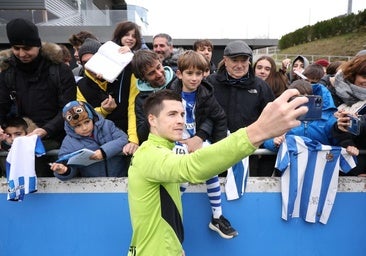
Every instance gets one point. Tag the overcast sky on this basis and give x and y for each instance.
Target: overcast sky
(239, 18)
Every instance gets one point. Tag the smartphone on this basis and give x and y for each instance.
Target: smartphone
(355, 125)
(315, 106)
(361, 111)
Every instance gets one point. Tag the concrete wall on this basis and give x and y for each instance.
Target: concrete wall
(90, 217)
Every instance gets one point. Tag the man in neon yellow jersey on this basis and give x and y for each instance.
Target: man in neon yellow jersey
(156, 171)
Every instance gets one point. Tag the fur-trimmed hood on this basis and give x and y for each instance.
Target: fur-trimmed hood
(4, 56)
(50, 51)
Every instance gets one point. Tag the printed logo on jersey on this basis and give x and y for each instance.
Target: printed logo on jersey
(132, 251)
(180, 149)
(329, 156)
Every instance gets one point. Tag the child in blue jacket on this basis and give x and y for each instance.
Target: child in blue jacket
(87, 129)
(319, 130)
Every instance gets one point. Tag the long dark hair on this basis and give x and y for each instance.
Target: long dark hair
(122, 28)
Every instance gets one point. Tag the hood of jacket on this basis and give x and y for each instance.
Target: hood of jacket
(303, 59)
(4, 58)
(49, 51)
(328, 103)
(143, 86)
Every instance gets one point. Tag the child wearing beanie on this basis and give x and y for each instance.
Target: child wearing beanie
(86, 129)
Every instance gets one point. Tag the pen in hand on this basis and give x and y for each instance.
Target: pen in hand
(57, 167)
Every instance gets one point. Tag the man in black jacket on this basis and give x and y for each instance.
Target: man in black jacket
(242, 95)
(36, 84)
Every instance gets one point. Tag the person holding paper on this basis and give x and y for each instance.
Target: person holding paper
(108, 99)
(86, 129)
(127, 34)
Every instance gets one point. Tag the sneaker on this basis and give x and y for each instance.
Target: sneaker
(223, 227)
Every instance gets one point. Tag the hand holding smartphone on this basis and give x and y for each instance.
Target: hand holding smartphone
(354, 125)
(315, 108)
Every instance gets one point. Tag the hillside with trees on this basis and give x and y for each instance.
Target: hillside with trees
(340, 36)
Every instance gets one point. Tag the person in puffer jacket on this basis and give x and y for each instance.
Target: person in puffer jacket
(85, 128)
(319, 130)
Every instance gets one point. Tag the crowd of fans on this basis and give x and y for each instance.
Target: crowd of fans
(36, 83)
(169, 101)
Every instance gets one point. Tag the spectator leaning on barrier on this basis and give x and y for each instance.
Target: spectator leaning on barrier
(266, 69)
(36, 84)
(87, 129)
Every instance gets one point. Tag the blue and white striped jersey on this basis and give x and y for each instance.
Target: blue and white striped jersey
(20, 166)
(309, 182)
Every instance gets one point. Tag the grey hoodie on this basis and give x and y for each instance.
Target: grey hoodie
(304, 60)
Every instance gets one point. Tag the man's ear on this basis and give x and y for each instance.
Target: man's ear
(151, 118)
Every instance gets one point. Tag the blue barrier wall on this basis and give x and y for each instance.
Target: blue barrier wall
(90, 217)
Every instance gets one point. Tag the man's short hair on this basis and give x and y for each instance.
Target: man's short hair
(166, 36)
(154, 103)
(142, 59)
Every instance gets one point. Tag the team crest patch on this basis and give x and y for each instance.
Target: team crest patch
(329, 156)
